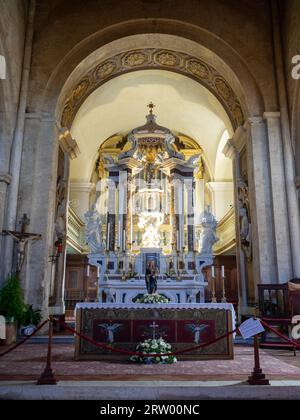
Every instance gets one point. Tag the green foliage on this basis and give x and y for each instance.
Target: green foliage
(11, 300)
(31, 316)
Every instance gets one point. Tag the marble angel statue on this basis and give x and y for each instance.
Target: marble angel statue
(208, 235)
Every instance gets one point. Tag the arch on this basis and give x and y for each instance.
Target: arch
(212, 51)
(153, 58)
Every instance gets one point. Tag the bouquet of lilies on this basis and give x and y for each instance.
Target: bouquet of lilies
(154, 346)
(154, 298)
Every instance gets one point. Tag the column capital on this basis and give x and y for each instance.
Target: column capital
(257, 120)
(68, 144)
(82, 186)
(270, 115)
(229, 150)
(6, 178)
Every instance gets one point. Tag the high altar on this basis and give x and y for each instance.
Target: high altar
(144, 210)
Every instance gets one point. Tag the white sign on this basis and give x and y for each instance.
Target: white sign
(296, 68)
(250, 328)
(2, 67)
(2, 328)
(296, 328)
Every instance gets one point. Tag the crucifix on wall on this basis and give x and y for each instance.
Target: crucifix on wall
(22, 238)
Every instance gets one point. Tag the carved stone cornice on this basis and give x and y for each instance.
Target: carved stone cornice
(6, 178)
(152, 58)
(68, 144)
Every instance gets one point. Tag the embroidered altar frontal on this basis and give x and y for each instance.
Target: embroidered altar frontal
(183, 326)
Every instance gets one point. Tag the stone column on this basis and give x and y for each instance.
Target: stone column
(128, 218)
(39, 204)
(264, 258)
(178, 212)
(122, 200)
(190, 187)
(232, 153)
(111, 215)
(4, 183)
(199, 199)
(172, 214)
(56, 301)
(279, 199)
(80, 197)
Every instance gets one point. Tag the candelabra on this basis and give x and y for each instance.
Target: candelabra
(106, 263)
(223, 300)
(123, 267)
(213, 288)
(118, 260)
(183, 262)
(195, 266)
(178, 278)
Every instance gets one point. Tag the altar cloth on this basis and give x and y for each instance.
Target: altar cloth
(123, 326)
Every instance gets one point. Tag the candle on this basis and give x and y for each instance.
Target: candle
(223, 271)
(98, 271)
(108, 229)
(124, 240)
(88, 270)
(212, 271)
(177, 245)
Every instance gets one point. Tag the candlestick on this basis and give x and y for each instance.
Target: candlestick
(213, 289)
(223, 300)
(107, 270)
(118, 260)
(108, 229)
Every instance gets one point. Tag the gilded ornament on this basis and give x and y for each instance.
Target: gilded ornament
(104, 70)
(223, 89)
(198, 69)
(166, 59)
(80, 90)
(135, 59)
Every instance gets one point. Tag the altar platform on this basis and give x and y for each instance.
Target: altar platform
(123, 326)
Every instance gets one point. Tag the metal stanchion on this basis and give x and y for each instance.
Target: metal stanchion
(257, 377)
(47, 377)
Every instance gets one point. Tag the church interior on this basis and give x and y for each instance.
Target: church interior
(149, 182)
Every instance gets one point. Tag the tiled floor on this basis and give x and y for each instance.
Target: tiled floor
(28, 361)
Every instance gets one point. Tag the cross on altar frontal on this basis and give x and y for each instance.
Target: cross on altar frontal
(153, 326)
(22, 238)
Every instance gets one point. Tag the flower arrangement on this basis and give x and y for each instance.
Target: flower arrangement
(154, 346)
(154, 298)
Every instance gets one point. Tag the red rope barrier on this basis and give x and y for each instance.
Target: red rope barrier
(132, 353)
(295, 344)
(25, 339)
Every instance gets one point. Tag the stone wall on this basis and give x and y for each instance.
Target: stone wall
(12, 34)
(237, 32)
(291, 44)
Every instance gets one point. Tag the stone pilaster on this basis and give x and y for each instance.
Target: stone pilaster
(231, 151)
(264, 257)
(279, 198)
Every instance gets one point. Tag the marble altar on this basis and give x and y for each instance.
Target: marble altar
(123, 326)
